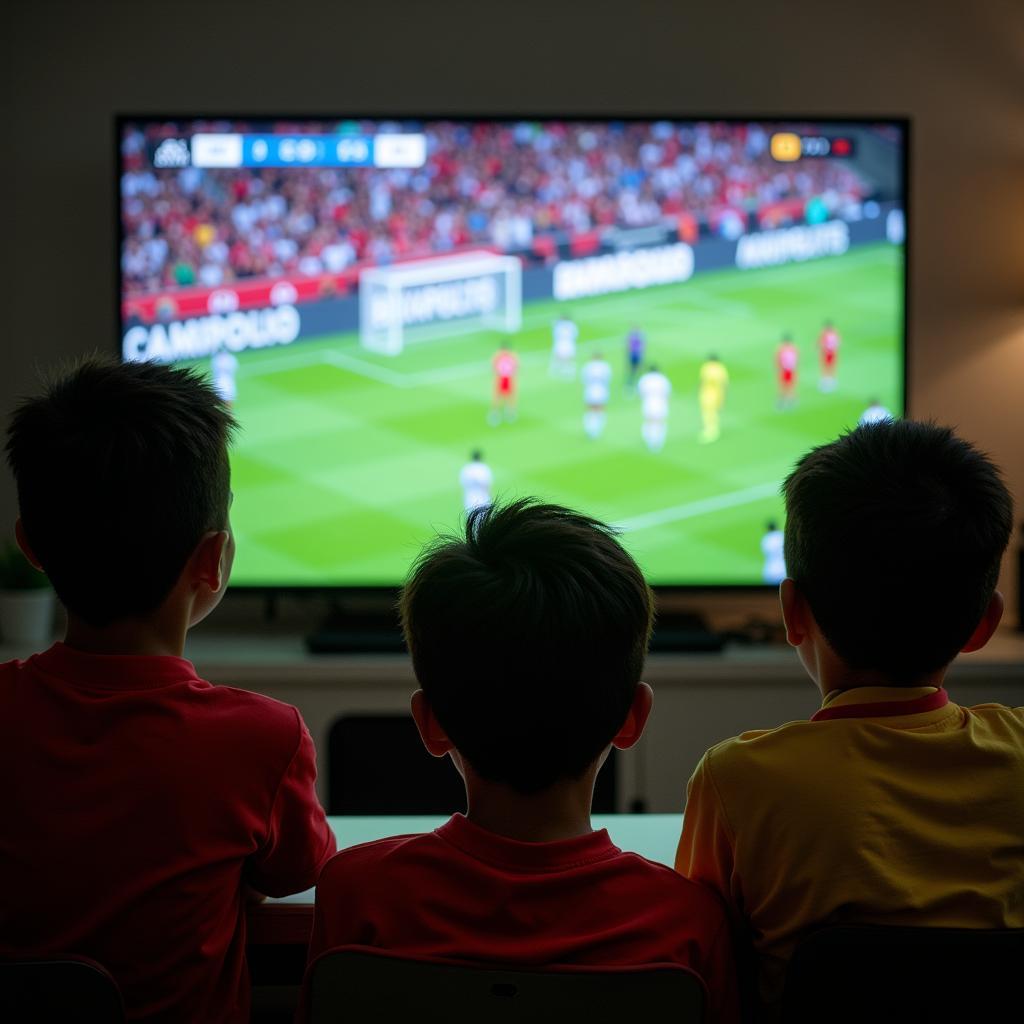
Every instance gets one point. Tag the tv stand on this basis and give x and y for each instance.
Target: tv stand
(376, 631)
(351, 631)
(685, 631)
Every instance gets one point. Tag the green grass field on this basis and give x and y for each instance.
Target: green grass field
(348, 461)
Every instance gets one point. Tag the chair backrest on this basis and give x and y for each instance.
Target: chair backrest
(878, 974)
(356, 985)
(72, 988)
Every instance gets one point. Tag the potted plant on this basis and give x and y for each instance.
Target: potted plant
(26, 601)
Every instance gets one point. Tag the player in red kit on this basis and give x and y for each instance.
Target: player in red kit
(828, 346)
(506, 367)
(786, 359)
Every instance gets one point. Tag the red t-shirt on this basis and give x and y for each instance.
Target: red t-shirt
(139, 801)
(464, 893)
(829, 343)
(787, 358)
(505, 366)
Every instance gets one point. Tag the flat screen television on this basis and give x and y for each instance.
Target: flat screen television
(645, 319)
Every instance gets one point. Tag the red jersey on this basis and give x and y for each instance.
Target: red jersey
(787, 357)
(461, 892)
(829, 343)
(140, 801)
(506, 364)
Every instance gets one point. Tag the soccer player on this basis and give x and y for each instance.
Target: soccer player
(828, 346)
(786, 359)
(654, 388)
(476, 480)
(875, 413)
(563, 352)
(506, 366)
(636, 345)
(597, 378)
(774, 559)
(714, 379)
(224, 366)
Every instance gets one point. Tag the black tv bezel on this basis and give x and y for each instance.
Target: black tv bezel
(379, 594)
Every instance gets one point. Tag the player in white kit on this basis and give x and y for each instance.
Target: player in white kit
(597, 381)
(774, 559)
(654, 389)
(224, 366)
(874, 413)
(476, 480)
(564, 333)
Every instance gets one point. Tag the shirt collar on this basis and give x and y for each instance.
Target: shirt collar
(112, 671)
(881, 702)
(527, 858)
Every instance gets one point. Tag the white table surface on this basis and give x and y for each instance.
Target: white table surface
(654, 836)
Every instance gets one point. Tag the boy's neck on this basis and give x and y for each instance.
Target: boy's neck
(848, 679)
(560, 812)
(150, 636)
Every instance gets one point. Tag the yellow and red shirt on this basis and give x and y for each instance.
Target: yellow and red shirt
(890, 806)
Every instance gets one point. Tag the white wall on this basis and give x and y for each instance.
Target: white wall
(957, 69)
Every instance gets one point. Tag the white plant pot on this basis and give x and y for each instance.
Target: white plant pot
(26, 617)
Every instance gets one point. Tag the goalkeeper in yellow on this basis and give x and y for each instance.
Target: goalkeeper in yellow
(714, 379)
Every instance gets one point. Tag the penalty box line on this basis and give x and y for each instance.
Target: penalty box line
(371, 371)
(278, 360)
(275, 362)
(692, 509)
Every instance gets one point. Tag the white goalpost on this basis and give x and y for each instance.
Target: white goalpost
(424, 299)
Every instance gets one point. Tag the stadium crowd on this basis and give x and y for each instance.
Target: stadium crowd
(509, 186)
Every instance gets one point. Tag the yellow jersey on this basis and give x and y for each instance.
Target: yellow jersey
(891, 806)
(714, 376)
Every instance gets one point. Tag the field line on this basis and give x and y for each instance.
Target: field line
(384, 375)
(296, 360)
(691, 509)
(458, 371)
(360, 366)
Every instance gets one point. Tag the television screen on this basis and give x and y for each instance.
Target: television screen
(646, 320)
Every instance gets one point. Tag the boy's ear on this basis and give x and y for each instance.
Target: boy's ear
(989, 621)
(435, 739)
(208, 560)
(633, 727)
(26, 548)
(795, 612)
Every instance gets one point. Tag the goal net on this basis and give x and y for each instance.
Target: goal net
(425, 299)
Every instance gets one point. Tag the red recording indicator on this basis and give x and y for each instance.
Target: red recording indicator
(841, 147)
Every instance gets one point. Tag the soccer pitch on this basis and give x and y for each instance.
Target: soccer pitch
(348, 461)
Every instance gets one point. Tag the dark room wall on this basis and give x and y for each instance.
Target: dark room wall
(957, 69)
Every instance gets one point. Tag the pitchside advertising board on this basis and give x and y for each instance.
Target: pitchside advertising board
(390, 306)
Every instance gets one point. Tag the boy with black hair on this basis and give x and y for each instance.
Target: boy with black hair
(528, 637)
(892, 805)
(143, 805)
